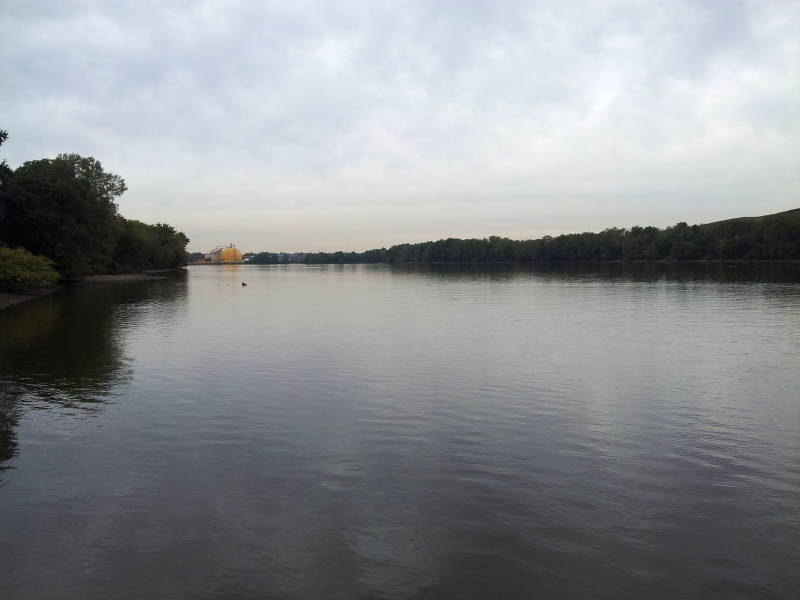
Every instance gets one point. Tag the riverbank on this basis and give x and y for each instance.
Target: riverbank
(143, 276)
(8, 299)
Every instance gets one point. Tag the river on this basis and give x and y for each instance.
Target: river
(413, 431)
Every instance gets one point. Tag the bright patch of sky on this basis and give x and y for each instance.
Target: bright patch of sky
(351, 125)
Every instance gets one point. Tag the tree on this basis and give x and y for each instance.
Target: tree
(104, 186)
(773, 237)
(21, 271)
(62, 208)
(5, 170)
(140, 246)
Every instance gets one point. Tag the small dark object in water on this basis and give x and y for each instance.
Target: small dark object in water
(243, 284)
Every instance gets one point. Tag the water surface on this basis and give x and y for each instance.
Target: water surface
(405, 432)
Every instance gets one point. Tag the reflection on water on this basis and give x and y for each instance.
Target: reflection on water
(721, 272)
(66, 352)
(406, 431)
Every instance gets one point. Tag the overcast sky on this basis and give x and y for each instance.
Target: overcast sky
(350, 125)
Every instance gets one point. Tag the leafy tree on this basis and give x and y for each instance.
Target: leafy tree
(20, 270)
(62, 208)
(140, 247)
(105, 187)
(5, 171)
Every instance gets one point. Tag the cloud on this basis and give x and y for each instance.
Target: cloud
(359, 124)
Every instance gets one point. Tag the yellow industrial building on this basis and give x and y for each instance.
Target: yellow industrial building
(226, 256)
(229, 255)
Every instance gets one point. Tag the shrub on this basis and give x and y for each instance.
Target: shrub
(20, 270)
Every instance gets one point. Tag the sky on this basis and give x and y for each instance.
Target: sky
(327, 125)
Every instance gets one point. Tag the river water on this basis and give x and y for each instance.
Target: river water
(405, 432)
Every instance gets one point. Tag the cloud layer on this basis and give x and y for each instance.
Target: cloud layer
(328, 125)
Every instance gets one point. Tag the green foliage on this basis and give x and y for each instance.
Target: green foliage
(64, 208)
(20, 270)
(276, 258)
(344, 258)
(52, 207)
(103, 186)
(264, 258)
(140, 247)
(5, 171)
(771, 237)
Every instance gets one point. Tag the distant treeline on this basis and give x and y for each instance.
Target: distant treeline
(274, 258)
(63, 209)
(771, 237)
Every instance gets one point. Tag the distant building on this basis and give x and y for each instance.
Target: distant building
(229, 255)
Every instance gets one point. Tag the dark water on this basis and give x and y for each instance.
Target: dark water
(411, 432)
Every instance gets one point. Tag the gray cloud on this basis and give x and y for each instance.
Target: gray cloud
(326, 125)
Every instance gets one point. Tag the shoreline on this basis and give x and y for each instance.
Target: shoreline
(119, 277)
(699, 261)
(9, 299)
(148, 275)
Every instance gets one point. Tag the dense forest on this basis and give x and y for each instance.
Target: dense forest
(771, 237)
(63, 211)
